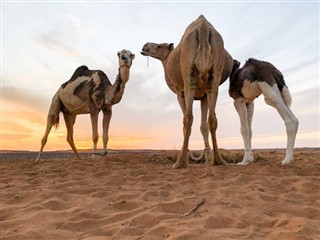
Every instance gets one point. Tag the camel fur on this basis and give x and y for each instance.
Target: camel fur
(247, 83)
(193, 71)
(88, 92)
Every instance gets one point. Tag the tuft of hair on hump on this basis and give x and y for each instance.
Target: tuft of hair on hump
(286, 96)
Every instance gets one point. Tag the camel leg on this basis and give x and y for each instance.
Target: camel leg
(212, 92)
(250, 111)
(187, 124)
(70, 120)
(52, 119)
(95, 136)
(242, 110)
(106, 121)
(44, 139)
(205, 130)
(273, 98)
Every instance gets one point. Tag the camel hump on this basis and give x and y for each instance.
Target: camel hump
(203, 60)
(77, 73)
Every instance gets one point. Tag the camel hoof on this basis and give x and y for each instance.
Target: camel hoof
(285, 161)
(99, 154)
(220, 161)
(179, 165)
(210, 162)
(243, 163)
(209, 157)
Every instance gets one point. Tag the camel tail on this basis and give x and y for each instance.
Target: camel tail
(54, 111)
(286, 96)
(284, 90)
(203, 60)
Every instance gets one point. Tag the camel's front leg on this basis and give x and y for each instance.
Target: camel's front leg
(105, 124)
(70, 120)
(187, 124)
(95, 136)
(205, 131)
(243, 113)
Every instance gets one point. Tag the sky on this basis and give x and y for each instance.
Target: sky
(42, 43)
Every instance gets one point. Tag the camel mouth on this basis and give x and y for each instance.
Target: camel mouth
(144, 53)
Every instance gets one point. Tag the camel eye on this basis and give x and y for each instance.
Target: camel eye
(159, 46)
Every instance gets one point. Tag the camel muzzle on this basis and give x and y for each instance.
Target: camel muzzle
(144, 53)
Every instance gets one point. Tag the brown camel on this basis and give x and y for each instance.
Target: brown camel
(88, 91)
(247, 83)
(194, 70)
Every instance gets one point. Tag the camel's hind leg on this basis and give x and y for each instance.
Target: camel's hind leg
(273, 98)
(212, 92)
(204, 128)
(245, 113)
(52, 119)
(70, 120)
(50, 123)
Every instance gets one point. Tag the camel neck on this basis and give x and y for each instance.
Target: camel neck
(119, 84)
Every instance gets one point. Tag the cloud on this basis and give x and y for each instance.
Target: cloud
(32, 99)
(80, 27)
(50, 43)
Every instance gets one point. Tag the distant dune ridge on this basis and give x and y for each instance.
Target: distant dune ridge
(137, 195)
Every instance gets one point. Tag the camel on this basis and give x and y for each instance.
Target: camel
(88, 91)
(247, 83)
(193, 71)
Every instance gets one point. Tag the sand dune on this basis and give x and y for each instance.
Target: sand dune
(137, 195)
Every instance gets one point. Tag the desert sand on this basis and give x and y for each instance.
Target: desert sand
(137, 195)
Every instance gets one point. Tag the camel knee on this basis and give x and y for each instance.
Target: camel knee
(95, 138)
(245, 131)
(105, 139)
(213, 122)
(70, 140)
(188, 119)
(292, 125)
(44, 141)
(204, 127)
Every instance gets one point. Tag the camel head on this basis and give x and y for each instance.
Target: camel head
(125, 58)
(159, 51)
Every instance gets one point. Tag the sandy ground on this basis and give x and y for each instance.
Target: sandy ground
(137, 195)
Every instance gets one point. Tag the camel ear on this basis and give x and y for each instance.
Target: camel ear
(236, 63)
(132, 56)
(118, 54)
(171, 46)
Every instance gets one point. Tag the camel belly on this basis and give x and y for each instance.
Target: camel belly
(250, 90)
